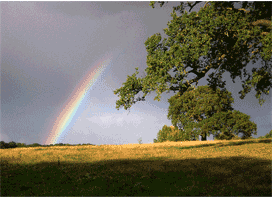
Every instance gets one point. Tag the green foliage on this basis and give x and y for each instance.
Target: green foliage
(11, 144)
(225, 136)
(59, 144)
(230, 123)
(172, 134)
(34, 145)
(3, 145)
(188, 110)
(21, 144)
(268, 135)
(203, 111)
(226, 37)
(236, 137)
(140, 141)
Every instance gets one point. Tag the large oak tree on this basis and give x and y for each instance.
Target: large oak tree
(203, 111)
(227, 38)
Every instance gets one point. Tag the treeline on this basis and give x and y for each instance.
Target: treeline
(166, 134)
(12, 144)
(172, 134)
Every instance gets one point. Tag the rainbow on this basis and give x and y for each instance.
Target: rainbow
(65, 118)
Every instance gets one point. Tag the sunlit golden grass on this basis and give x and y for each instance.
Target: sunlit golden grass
(240, 165)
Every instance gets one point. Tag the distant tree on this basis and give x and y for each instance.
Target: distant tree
(231, 124)
(203, 111)
(162, 134)
(268, 135)
(236, 137)
(12, 144)
(59, 144)
(3, 145)
(21, 144)
(34, 145)
(172, 134)
(223, 35)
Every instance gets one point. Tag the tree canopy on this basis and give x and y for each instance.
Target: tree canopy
(223, 35)
(228, 39)
(202, 111)
(173, 134)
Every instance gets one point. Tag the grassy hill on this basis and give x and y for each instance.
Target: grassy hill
(197, 168)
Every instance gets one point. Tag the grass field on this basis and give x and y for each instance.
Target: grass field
(211, 168)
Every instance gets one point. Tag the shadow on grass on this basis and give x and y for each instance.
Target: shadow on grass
(233, 176)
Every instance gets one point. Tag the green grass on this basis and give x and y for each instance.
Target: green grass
(226, 169)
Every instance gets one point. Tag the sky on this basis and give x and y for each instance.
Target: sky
(61, 62)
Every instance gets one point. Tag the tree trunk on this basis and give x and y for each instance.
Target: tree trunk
(204, 137)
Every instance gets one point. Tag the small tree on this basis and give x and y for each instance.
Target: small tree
(229, 124)
(268, 135)
(140, 141)
(203, 111)
(34, 145)
(172, 134)
(12, 144)
(21, 144)
(3, 145)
